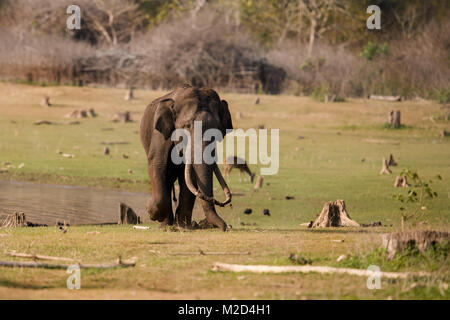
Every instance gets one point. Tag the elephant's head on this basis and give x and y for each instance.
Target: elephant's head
(180, 110)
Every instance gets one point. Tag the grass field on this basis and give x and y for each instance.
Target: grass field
(325, 165)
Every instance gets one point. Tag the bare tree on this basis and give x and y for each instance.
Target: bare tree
(113, 20)
(318, 13)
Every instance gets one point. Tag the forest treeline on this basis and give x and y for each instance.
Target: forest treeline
(303, 47)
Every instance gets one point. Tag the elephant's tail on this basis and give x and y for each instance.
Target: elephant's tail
(173, 193)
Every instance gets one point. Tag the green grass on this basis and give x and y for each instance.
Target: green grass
(339, 158)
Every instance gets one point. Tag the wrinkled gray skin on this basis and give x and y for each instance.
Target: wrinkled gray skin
(179, 109)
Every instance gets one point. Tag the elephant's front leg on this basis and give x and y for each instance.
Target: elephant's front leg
(159, 207)
(183, 214)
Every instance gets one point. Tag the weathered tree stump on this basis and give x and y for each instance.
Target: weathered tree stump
(397, 242)
(444, 133)
(395, 119)
(127, 215)
(122, 117)
(334, 214)
(330, 98)
(106, 151)
(401, 181)
(129, 95)
(46, 101)
(397, 122)
(391, 161)
(92, 113)
(259, 183)
(17, 219)
(256, 101)
(385, 167)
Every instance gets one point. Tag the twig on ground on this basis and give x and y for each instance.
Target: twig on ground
(202, 253)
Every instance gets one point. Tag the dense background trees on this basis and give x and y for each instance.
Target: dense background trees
(311, 46)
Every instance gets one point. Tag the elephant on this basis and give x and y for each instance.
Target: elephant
(179, 109)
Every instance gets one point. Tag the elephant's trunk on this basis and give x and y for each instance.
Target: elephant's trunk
(201, 195)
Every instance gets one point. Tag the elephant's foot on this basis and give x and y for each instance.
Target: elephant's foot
(184, 222)
(167, 221)
(212, 217)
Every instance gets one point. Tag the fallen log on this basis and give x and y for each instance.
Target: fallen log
(385, 98)
(218, 266)
(39, 256)
(118, 264)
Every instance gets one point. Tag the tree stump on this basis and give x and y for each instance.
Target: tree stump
(391, 161)
(259, 183)
(92, 113)
(444, 133)
(127, 215)
(397, 122)
(129, 95)
(122, 117)
(46, 101)
(391, 118)
(395, 119)
(256, 101)
(401, 181)
(397, 242)
(334, 214)
(385, 167)
(15, 220)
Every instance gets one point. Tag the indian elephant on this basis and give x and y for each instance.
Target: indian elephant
(178, 110)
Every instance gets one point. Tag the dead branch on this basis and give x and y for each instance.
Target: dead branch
(218, 266)
(38, 256)
(385, 98)
(118, 264)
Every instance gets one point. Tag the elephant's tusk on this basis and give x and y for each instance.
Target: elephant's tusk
(224, 186)
(199, 194)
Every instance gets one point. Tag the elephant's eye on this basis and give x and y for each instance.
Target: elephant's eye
(188, 126)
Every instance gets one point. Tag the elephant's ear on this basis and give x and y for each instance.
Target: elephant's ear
(225, 117)
(164, 121)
